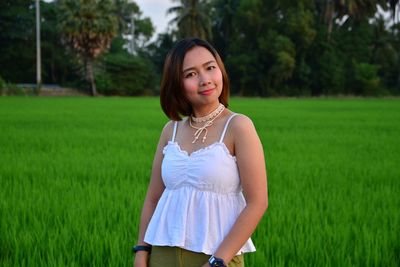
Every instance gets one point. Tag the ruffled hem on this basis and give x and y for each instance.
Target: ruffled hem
(195, 220)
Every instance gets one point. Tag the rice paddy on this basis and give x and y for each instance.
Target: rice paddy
(74, 172)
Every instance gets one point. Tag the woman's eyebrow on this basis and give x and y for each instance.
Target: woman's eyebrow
(204, 64)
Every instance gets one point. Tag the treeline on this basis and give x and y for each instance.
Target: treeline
(270, 47)
(82, 45)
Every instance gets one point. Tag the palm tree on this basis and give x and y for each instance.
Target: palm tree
(88, 27)
(192, 18)
(353, 8)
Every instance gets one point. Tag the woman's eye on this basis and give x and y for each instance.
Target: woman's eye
(190, 74)
(211, 67)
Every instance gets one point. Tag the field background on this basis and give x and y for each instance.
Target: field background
(74, 171)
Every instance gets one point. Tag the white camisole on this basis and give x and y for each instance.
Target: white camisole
(201, 201)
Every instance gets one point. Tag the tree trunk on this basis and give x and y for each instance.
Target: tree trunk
(90, 77)
(329, 13)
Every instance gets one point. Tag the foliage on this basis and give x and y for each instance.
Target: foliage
(2, 83)
(270, 48)
(320, 58)
(366, 79)
(331, 73)
(157, 51)
(17, 20)
(127, 12)
(192, 18)
(87, 27)
(10, 88)
(57, 64)
(2, 86)
(125, 74)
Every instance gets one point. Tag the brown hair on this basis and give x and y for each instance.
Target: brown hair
(172, 97)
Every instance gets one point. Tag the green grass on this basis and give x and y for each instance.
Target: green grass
(74, 171)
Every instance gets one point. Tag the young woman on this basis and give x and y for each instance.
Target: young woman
(208, 187)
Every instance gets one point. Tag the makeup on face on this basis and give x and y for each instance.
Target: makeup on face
(202, 77)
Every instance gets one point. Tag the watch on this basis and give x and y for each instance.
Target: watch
(216, 262)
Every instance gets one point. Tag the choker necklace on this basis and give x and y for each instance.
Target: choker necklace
(210, 116)
(209, 119)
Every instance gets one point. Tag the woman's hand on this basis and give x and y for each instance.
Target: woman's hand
(141, 259)
(206, 265)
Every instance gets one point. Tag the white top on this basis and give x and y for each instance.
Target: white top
(201, 201)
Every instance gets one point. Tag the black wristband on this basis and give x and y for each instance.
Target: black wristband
(141, 248)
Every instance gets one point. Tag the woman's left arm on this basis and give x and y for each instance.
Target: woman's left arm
(251, 164)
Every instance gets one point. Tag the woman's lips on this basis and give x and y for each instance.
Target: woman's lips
(207, 92)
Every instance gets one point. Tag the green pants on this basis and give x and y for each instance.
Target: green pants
(178, 257)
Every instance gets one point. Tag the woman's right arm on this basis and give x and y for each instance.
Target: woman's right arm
(154, 192)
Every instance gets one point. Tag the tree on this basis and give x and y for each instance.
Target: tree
(58, 67)
(130, 20)
(124, 10)
(244, 61)
(394, 8)
(337, 9)
(157, 51)
(125, 74)
(17, 34)
(192, 18)
(88, 27)
(223, 13)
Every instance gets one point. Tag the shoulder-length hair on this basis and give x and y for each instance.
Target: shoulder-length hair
(172, 97)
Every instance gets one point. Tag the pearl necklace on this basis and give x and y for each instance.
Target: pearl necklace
(209, 121)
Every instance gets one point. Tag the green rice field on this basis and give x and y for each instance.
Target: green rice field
(74, 172)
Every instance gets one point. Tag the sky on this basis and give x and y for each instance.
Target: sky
(156, 10)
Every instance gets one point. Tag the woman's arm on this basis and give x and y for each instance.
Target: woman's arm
(154, 192)
(250, 159)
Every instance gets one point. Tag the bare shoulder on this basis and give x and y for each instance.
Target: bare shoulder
(168, 127)
(244, 135)
(167, 132)
(242, 126)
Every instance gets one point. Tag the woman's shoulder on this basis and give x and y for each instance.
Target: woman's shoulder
(169, 125)
(241, 126)
(240, 122)
(167, 131)
(244, 134)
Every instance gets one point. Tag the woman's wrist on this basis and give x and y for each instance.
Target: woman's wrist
(214, 261)
(141, 249)
(221, 255)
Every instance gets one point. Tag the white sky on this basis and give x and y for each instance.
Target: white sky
(156, 10)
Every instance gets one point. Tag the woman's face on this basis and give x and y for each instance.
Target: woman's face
(202, 77)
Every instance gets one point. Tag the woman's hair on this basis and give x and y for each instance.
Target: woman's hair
(172, 96)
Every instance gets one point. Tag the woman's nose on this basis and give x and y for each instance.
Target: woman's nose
(204, 81)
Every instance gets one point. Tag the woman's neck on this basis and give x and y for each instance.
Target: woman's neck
(201, 111)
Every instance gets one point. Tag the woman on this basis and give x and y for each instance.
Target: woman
(208, 187)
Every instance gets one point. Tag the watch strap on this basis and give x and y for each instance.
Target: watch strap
(141, 248)
(216, 262)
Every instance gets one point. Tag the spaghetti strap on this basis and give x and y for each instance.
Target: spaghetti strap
(174, 133)
(226, 127)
